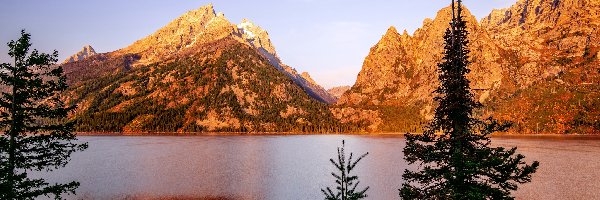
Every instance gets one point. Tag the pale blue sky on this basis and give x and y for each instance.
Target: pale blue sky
(327, 38)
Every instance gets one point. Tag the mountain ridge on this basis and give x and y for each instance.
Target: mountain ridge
(201, 26)
(199, 73)
(530, 65)
(398, 77)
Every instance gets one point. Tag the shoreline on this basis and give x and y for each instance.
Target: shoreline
(192, 134)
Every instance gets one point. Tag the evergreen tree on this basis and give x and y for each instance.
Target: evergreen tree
(36, 134)
(346, 182)
(454, 153)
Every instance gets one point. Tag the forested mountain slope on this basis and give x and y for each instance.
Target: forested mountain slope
(200, 73)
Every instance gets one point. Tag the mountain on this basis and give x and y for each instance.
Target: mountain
(86, 52)
(199, 73)
(204, 25)
(552, 67)
(521, 58)
(394, 89)
(337, 92)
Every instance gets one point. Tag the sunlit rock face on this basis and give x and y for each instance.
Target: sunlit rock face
(86, 52)
(550, 74)
(537, 32)
(400, 70)
(403, 68)
(194, 27)
(517, 55)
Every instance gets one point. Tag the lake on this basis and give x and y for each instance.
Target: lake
(294, 167)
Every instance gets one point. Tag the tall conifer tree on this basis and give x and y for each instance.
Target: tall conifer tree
(454, 154)
(36, 134)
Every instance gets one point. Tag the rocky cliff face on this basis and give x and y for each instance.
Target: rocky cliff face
(194, 27)
(198, 73)
(551, 68)
(538, 32)
(513, 51)
(86, 52)
(402, 68)
(257, 36)
(400, 71)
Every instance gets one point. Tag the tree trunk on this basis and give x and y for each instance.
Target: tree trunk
(12, 134)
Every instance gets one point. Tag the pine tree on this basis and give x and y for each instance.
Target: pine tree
(454, 153)
(36, 134)
(346, 182)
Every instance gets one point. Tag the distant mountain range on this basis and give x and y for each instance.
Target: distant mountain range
(535, 64)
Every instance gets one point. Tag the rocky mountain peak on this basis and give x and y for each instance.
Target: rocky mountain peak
(87, 51)
(441, 22)
(197, 18)
(390, 41)
(192, 28)
(246, 23)
(400, 71)
(392, 31)
(391, 35)
(405, 33)
(88, 48)
(209, 8)
(256, 36)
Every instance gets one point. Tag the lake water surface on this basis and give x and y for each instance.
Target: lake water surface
(294, 167)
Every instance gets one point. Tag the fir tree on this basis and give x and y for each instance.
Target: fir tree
(36, 135)
(347, 183)
(454, 153)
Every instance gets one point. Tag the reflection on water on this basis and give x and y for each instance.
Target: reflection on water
(293, 167)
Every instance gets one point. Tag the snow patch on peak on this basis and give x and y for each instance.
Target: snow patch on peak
(245, 27)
